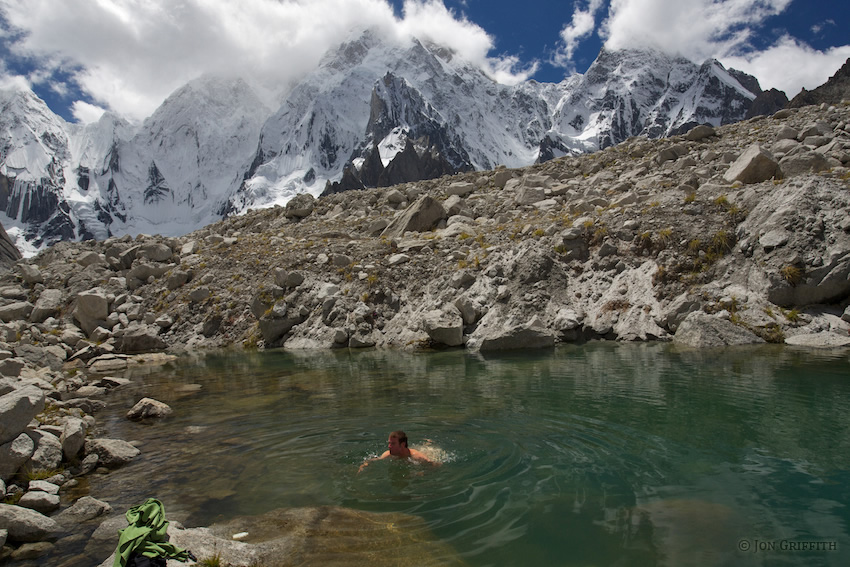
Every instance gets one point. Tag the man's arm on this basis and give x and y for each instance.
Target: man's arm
(366, 462)
(420, 456)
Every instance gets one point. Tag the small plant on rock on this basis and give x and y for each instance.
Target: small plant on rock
(792, 274)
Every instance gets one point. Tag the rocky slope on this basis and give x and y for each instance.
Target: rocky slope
(749, 220)
(726, 236)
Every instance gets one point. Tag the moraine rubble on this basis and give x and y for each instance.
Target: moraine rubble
(734, 235)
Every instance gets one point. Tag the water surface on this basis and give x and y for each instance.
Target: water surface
(600, 454)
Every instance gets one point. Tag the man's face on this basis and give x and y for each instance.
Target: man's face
(394, 446)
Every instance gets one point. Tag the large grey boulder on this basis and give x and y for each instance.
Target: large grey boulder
(14, 454)
(52, 356)
(73, 437)
(701, 330)
(111, 453)
(444, 326)
(84, 509)
(807, 162)
(18, 311)
(48, 451)
(503, 335)
(23, 524)
(155, 252)
(30, 273)
(39, 501)
(17, 409)
(755, 165)
(300, 206)
(48, 304)
(421, 216)
(92, 309)
(139, 339)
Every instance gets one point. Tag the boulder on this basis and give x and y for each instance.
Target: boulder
(30, 274)
(148, 408)
(28, 551)
(444, 327)
(40, 501)
(421, 216)
(25, 525)
(51, 356)
(18, 311)
(177, 278)
(48, 304)
(48, 451)
(92, 258)
(274, 327)
(300, 206)
(17, 409)
(14, 454)
(460, 189)
(111, 453)
(701, 330)
(44, 486)
(155, 252)
(73, 437)
(497, 336)
(143, 272)
(83, 510)
(11, 367)
(470, 310)
(755, 165)
(139, 338)
(807, 162)
(529, 195)
(700, 132)
(92, 309)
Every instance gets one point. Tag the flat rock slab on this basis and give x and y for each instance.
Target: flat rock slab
(819, 340)
(317, 536)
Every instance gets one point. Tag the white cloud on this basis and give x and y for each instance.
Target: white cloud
(580, 27)
(696, 29)
(790, 65)
(13, 82)
(86, 113)
(129, 55)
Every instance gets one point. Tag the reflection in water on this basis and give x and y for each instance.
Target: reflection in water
(596, 454)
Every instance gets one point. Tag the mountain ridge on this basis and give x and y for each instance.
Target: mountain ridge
(213, 148)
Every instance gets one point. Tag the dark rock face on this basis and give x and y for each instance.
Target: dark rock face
(767, 103)
(431, 148)
(9, 254)
(836, 89)
(408, 165)
(39, 205)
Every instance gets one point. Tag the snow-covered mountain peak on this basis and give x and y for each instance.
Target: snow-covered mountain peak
(31, 136)
(376, 110)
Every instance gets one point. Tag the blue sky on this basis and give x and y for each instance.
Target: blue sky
(83, 57)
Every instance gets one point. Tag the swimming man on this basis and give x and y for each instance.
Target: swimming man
(397, 447)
